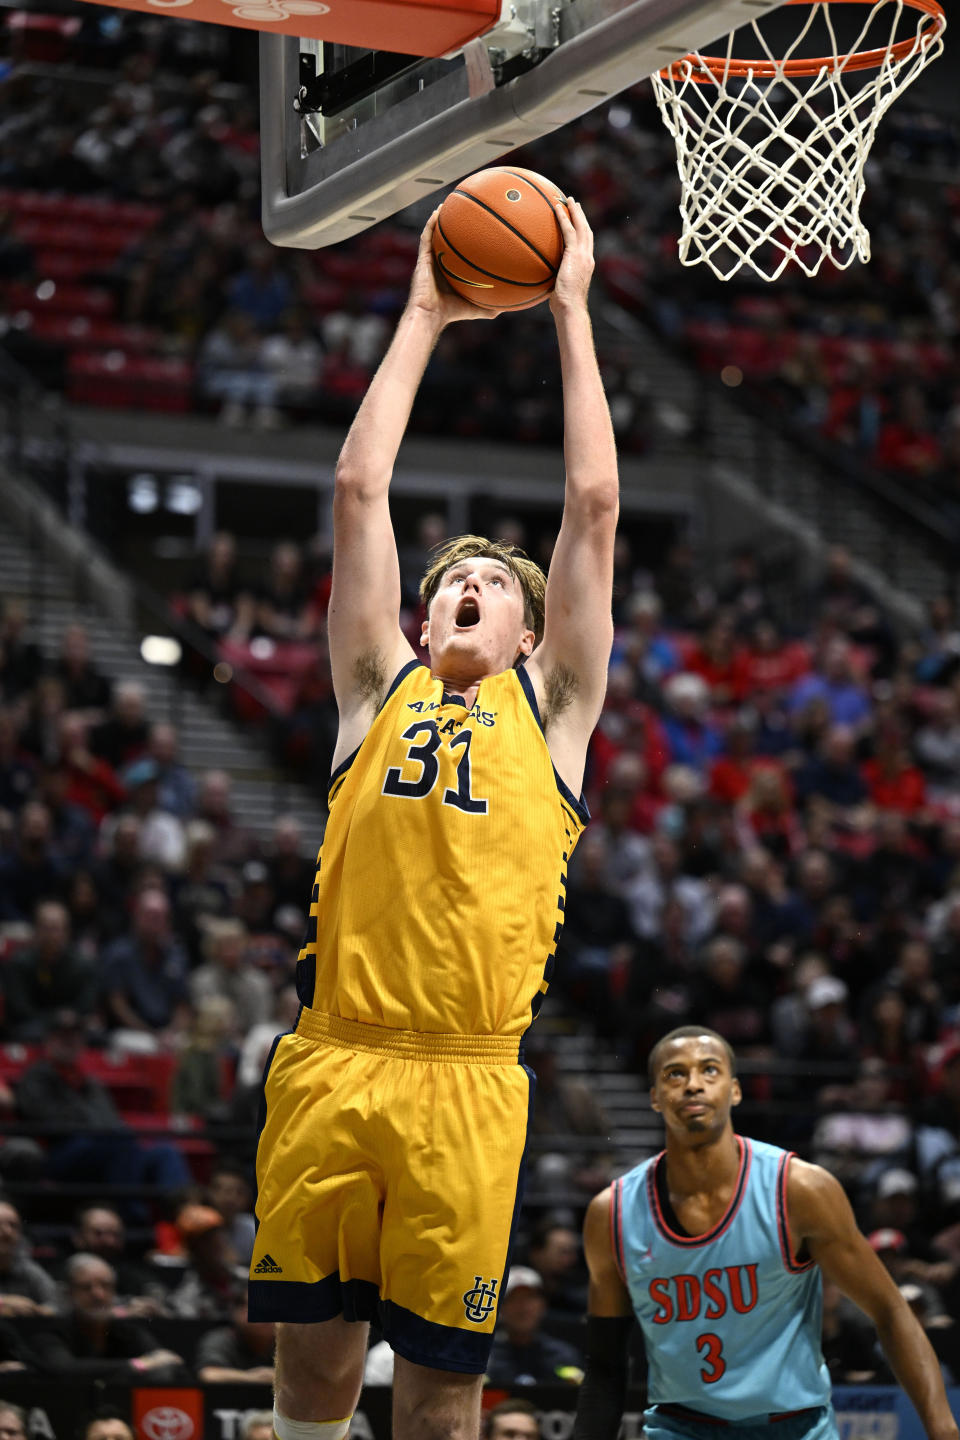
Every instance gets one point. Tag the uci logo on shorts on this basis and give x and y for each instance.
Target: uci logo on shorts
(481, 1300)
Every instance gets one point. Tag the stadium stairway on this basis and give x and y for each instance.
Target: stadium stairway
(208, 740)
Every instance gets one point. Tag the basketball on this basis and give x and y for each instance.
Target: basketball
(498, 242)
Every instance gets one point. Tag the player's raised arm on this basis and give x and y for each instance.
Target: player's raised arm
(569, 668)
(367, 647)
(609, 1322)
(821, 1219)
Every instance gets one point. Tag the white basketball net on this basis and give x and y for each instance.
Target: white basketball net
(772, 167)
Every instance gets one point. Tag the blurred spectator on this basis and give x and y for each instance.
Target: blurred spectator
(726, 997)
(18, 769)
(226, 974)
(72, 830)
(261, 292)
(770, 663)
(294, 357)
(125, 733)
(281, 601)
(832, 776)
(627, 727)
(205, 891)
(512, 1419)
(829, 1039)
(99, 1230)
(254, 1052)
(13, 1418)
(692, 739)
(91, 782)
(662, 880)
(906, 442)
(92, 1342)
(231, 371)
(566, 1108)
(230, 1194)
(32, 872)
(45, 712)
(25, 1287)
(238, 1353)
(106, 1423)
(732, 772)
(84, 686)
(46, 977)
(642, 644)
(597, 942)
(176, 791)
(201, 1077)
(209, 1285)
(94, 1142)
(869, 1128)
(840, 595)
(20, 659)
(162, 837)
(291, 870)
(554, 1252)
(355, 332)
(232, 843)
(789, 1013)
(522, 1354)
(217, 600)
(717, 660)
(116, 873)
(255, 906)
(892, 781)
(767, 816)
(937, 748)
(939, 657)
(257, 1425)
(835, 682)
(145, 971)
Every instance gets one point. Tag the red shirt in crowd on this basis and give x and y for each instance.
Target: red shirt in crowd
(901, 787)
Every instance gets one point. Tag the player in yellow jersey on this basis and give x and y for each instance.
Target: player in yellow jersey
(395, 1114)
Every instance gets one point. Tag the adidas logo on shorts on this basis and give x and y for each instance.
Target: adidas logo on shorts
(268, 1266)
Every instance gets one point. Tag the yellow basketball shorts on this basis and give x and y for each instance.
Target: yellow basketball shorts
(389, 1179)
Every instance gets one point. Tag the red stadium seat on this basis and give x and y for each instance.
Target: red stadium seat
(57, 299)
(115, 378)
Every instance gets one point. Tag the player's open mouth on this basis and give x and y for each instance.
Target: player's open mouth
(468, 614)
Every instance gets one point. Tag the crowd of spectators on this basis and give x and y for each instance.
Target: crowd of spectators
(776, 844)
(775, 852)
(865, 357)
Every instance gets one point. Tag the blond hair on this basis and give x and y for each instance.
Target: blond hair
(527, 572)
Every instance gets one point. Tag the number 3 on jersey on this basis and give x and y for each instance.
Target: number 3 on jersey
(710, 1350)
(425, 755)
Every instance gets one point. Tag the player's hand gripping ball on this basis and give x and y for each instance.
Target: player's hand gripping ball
(497, 240)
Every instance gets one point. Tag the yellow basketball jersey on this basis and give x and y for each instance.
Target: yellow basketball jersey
(438, 900)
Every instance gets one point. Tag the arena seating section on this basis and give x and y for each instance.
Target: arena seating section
(776, 787)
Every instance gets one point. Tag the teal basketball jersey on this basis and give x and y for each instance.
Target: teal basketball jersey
(730, 1319)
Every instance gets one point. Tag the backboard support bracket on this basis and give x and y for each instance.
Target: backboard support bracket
(438, 120)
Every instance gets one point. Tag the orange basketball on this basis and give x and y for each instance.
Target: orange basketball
(498, 241)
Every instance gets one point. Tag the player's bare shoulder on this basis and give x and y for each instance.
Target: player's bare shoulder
(596, 1227)
(816, 1200)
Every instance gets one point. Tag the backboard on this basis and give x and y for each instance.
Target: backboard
(350, 136)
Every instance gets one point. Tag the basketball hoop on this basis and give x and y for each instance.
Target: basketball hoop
(771, 151)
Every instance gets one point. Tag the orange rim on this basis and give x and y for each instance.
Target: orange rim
(719, 67)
